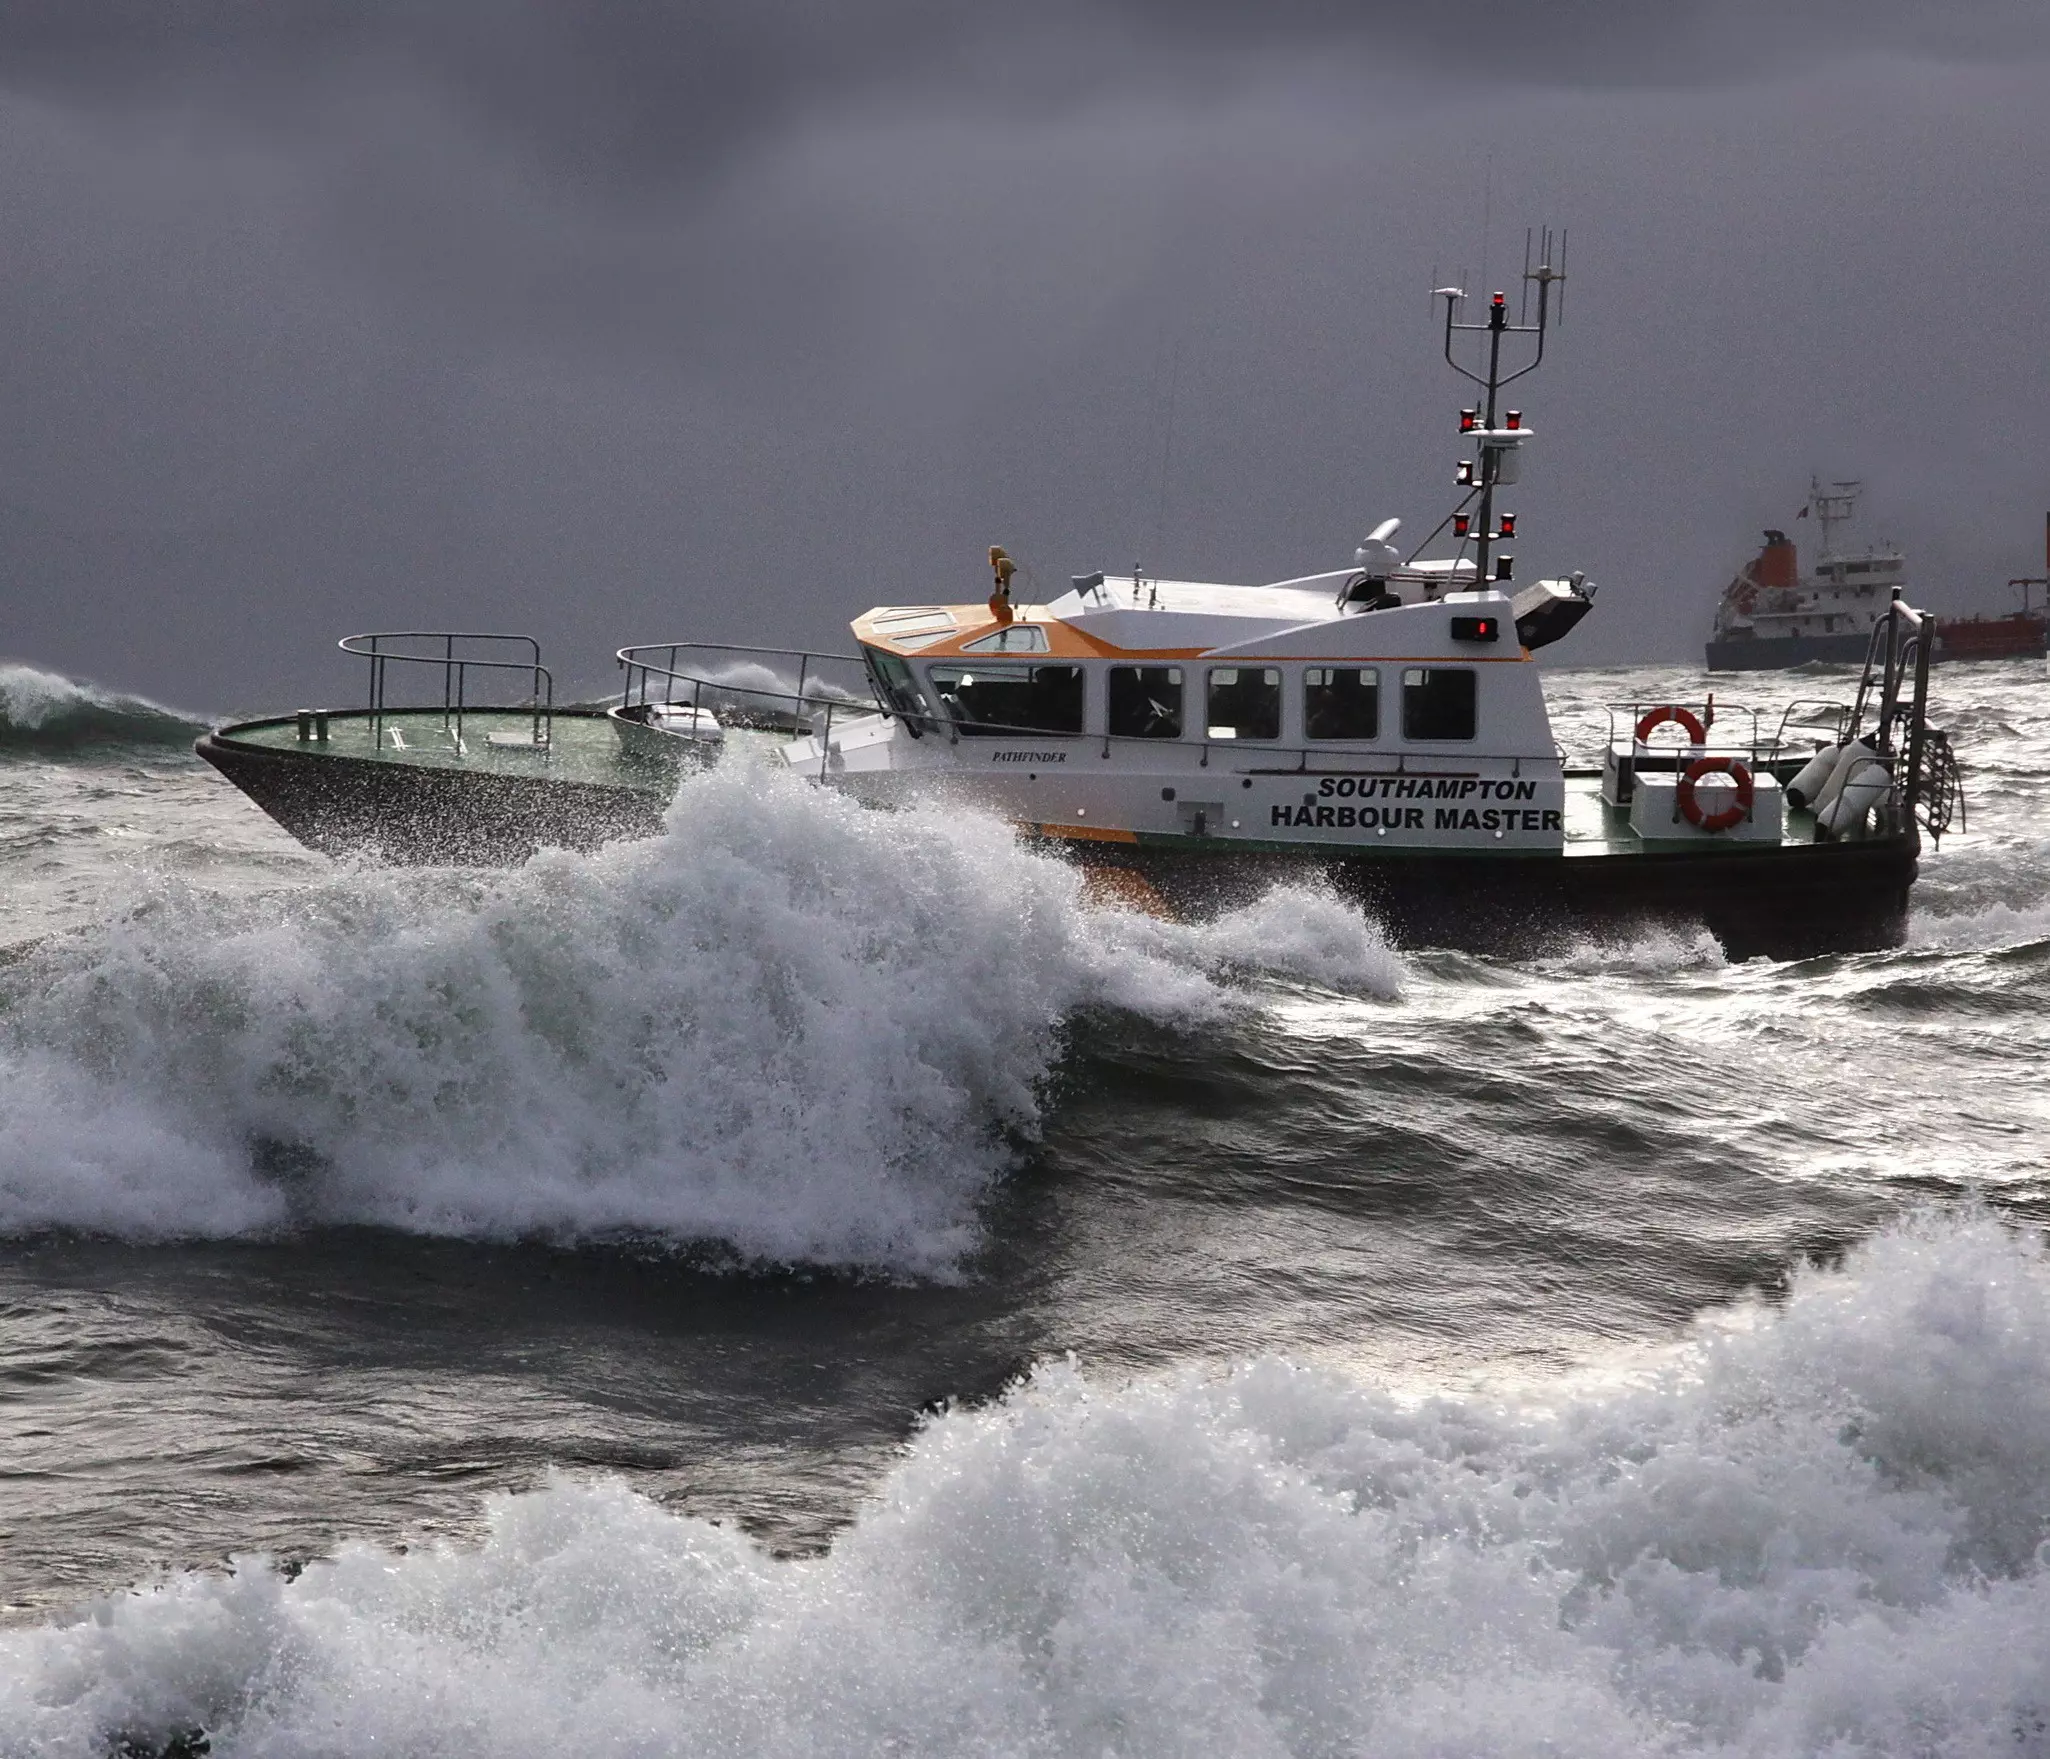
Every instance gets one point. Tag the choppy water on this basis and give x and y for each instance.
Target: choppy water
(812, 1284)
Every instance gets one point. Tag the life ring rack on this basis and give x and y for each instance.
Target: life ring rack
(1685, 719)
(1741, 796)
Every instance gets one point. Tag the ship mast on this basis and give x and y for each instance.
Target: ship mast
(1498, 433)
(1832, 507)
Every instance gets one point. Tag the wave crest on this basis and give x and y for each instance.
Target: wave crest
(45, 711)
(789, 1025)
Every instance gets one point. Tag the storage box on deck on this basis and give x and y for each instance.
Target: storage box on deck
(1656, 817)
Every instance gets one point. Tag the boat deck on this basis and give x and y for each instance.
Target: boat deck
(580, 745)
(1593, 828)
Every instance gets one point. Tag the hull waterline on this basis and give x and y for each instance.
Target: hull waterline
(1772, 901)
(1776, 655)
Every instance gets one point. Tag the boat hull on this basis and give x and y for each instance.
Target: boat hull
(1991, 638)
(413, 816)
(1966, 638)
(1773, 654)
(1785, 901)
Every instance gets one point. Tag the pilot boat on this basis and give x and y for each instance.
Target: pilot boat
(1380, 727)
(1383, 726)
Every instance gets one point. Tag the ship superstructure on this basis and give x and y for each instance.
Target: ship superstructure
(1772, 615)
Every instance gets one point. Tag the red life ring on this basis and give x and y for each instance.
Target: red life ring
(1741, 795)
(1695, 731)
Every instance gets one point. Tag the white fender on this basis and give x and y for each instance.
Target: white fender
(1848, 759)
(1863, 791)
(1814, 773)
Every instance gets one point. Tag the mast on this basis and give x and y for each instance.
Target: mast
(1833, 506)
(1498, 433)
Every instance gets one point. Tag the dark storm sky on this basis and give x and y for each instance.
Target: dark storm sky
(729, 320)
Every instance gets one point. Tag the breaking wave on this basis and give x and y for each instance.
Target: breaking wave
(791, 1026)
(1816, 1530)
(44, 711)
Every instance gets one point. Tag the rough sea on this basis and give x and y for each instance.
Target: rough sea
(813, 1283)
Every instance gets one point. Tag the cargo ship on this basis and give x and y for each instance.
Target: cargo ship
(2020, 635)
(1773, 616)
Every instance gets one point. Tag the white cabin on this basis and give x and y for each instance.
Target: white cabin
(1139, 710)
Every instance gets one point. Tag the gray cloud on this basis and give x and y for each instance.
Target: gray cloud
(671, 89)
(736, 322)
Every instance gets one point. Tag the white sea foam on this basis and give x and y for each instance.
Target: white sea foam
(1984, 892)
(1289, 932)
(1987, 927)
(1822, 1532)
(789, 1025)
(1645, 950)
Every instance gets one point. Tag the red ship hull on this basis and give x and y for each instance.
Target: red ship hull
(2019, 637)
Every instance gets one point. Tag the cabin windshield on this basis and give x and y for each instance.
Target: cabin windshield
(897, 686)
(1011, 699)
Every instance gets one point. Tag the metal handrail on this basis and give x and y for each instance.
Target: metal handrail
(1841, 711)
(455, 670)
(1633, 712)
(643, 672)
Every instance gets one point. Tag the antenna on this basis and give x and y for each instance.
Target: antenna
(1499, 434)
(1549, 271)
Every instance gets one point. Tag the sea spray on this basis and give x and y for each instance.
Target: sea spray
(791, 1026)
(1821, 1530)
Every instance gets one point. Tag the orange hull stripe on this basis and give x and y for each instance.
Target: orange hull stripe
(1087, 833)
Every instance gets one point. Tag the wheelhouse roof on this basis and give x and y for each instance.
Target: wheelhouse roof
(1185, 619)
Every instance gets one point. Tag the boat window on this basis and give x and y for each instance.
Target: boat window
(1011, 699)
(1014, 638)
(897, 686)
(1438, 702)
(1245, 703)
(911, 620)
(1341, 702)
(1145, 702)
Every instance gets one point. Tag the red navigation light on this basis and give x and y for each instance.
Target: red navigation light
(1516, 418)
(1461, 524)
(1466, 420)
(1501, 299)
(1508, 526)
